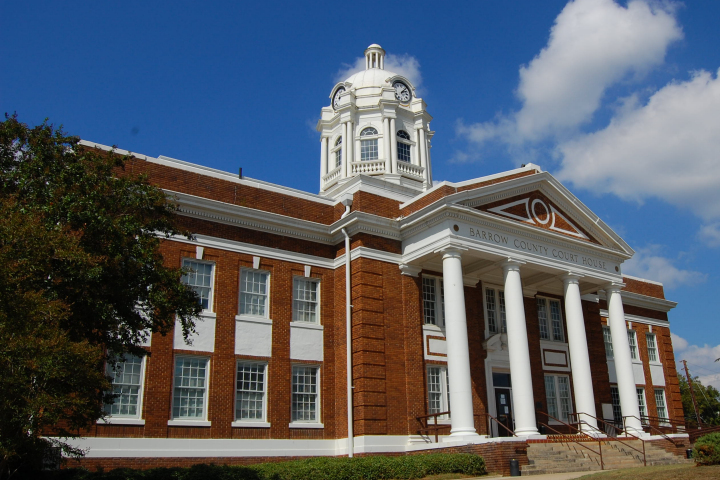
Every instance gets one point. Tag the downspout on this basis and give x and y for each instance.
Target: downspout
(348, 333)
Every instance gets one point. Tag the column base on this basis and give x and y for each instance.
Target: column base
(464, 437)
(527, 432)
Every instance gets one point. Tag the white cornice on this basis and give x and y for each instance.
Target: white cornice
(643, 301)
(638, 319)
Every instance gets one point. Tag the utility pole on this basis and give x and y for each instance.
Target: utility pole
(692, 394)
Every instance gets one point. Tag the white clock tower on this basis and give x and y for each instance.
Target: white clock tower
(375, 125)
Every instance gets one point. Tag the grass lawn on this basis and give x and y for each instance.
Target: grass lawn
(659, 472)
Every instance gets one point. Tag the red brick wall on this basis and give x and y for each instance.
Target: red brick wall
(643, 288)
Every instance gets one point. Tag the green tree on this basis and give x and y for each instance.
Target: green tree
(707, 398)
(82, 276)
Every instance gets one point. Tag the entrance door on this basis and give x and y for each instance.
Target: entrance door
(504, 411)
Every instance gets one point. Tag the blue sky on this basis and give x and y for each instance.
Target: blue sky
(618, 100)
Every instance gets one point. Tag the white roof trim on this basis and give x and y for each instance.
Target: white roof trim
(215, 173)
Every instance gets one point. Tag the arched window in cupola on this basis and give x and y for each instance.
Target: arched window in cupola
(403, 146)
(368, 144)
(338, 152)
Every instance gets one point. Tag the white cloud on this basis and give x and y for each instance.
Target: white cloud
(668, 148)
(593, 45)
(405, 65)
(710, 234)
(647, 263)
(701, 360)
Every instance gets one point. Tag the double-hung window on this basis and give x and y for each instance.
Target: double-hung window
(127, 380)
(660, 405)
(641, 404)
(557, 394)
(652, 347)
(254, 288)
(632, 340)
(306, 300)
(201, 279)
(337, 151)
(550, 318)
(190, 388)
(403, 146)
(495, 308)
(433, 301)
(305, 394)
(617, 411)
(607, 338)
(368, 144)
(438, 391)
(251, 388)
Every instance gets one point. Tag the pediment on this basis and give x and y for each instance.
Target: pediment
(541, 202)
(536, 209)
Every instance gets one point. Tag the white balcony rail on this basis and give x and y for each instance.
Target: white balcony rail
(370, 167)
(331, 177)
(414, 171)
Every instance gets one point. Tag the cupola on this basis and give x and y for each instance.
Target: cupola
(375, 126)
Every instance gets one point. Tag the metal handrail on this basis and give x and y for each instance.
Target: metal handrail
(426, 427)
(616, 439)
(599, 453)
(498, 422)
(652, 428)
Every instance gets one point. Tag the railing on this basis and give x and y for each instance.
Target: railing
(369, 167)
(651, 428)
(411, 170)
(692, 428)
(426, 427)
(567, 437)
(331, 177)
(493, 419)
(609, 438)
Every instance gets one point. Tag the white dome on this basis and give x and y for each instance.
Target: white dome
(373, 77)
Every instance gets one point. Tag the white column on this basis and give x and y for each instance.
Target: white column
(519, 352)
(350, 144)
(579, 356)
(344, 167)
(458, 352)
(386, 144)
(428, 160)
(623, 361)
(323, 160)
(393, 146)
(423, 154)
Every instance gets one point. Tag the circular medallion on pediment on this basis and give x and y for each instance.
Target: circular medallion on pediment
(540, 211)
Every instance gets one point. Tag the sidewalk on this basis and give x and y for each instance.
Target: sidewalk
(548, 476)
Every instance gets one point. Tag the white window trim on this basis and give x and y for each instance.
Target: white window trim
(444, 420)
(377, 136)
(248, 316)
(498, 319)
(439, 304)
(302, 423)
(211, 298)
(610, 357)
(188, 422)
(557, 398)
(549, 320)
(336, 146)
(657, 349)
(263, 423)
(645, 405)
(667, 410)
(318, 312)
(129, 419)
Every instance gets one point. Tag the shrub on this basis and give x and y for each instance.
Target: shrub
(707, 449)
(317, 468)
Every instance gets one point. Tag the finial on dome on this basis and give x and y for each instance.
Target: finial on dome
(374, 57)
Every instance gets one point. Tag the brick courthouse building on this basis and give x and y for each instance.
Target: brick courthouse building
(501, 295)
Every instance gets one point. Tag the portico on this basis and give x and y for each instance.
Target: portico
(501, 249)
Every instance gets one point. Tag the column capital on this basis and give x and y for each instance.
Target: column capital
(571, 278)
(613, 287)
(409, 270)
(511, 265)
(450, 251)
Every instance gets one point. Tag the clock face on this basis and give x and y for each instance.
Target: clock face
(336, 97)
(402, 92)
